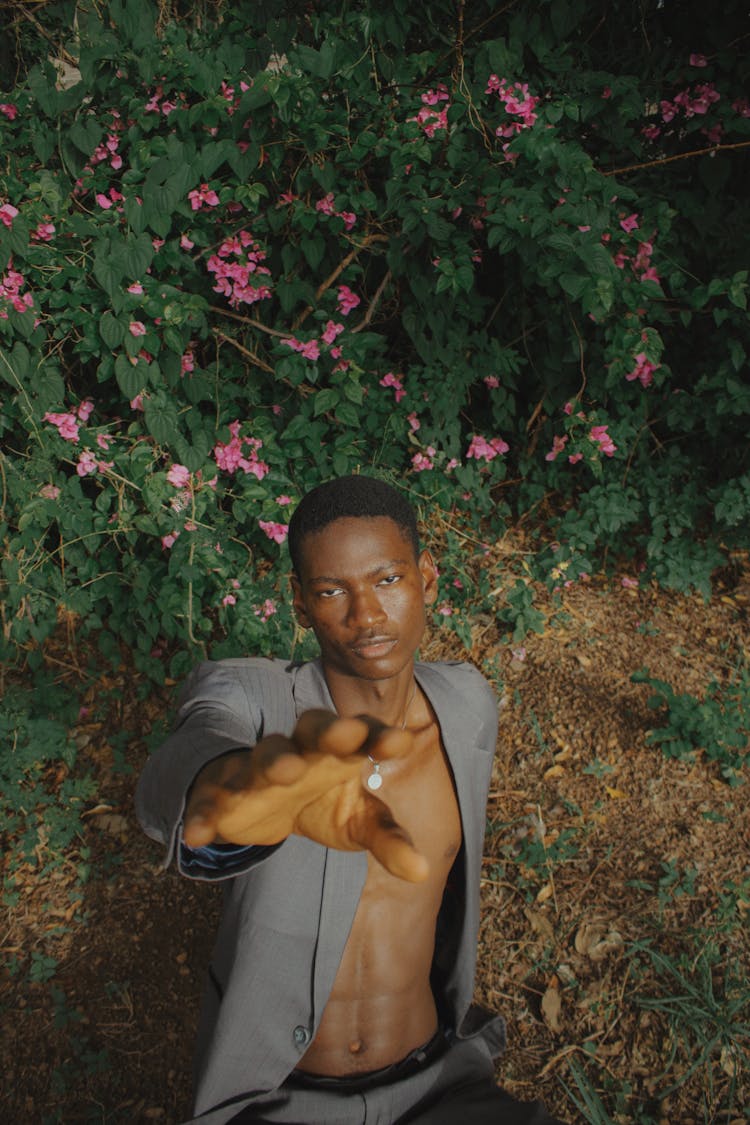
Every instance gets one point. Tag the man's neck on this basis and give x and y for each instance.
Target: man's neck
(389, 700)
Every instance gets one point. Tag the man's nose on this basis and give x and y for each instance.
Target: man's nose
(365, 609)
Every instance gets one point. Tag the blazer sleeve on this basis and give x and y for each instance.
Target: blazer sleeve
(222, 707)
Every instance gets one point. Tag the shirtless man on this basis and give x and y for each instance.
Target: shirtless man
(371, 787)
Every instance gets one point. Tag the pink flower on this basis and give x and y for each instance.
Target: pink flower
(229, 599)
(574, 458)
(137, 403)
(629, 224)
(492, 382)
(186, 243)
(137, 328)
(558, 444)
(49, 491)
(347, 300)
(275, 531)
(103, 200)
(445, 610)
(643, 370)
(326, 204)
(599, 434)
(67, 425)
(424, 461)
(482, 450)
(9, 110)
(187, 362)
(204, 194)
(266, 610)
(629, 583)
(282, 501)
(310, 349)
(136, 289)
(349, 218)
(179, 476)
(698, 60)
(104, 441)
(84, 409)
(7, 214)
(568, 408)
(413, 421)
(168, 541)
(331, 331)
(43, 232)
(391, 380)
(86, 463)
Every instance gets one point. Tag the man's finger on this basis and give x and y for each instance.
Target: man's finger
(391, 845)
(324, 731)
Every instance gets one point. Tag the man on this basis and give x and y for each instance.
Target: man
(342, 802)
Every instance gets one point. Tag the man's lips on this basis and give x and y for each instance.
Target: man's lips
(370, 648)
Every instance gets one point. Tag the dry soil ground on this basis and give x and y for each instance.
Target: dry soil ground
(596, 842)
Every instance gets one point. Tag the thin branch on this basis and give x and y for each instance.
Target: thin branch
(249, 321)
(679, 156)
(367, 240)
(373, 304)
(245, 351)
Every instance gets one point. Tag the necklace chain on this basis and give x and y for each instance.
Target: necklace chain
(375, 779)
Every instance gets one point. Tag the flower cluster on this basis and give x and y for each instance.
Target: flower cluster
(431, 119)
(240, 453)
(237, 265)
(9, 110)
(11, 284)
(7, 214)
(643, 370)
(599, 435)
(519, 104)
(203, 195)
(107, 151)
(482, 450)
(423, 461)
(277, 532)
(347, 300)
(310, 349)
(67, 423)
(158, 103)
(391, 380)
(327, 206)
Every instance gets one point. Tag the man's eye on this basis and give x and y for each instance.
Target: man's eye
(330, 593)
(389, 580)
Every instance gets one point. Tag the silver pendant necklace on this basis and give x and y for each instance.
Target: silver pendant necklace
(375, 780)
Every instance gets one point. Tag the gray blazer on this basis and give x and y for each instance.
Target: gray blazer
(288, 909)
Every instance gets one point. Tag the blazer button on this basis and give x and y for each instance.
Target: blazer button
(301, 1035)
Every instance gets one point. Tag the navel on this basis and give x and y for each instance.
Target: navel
(356, 1047)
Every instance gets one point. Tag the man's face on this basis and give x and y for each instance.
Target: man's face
(363, 593)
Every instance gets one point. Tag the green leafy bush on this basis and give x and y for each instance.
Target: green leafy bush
(468, 251)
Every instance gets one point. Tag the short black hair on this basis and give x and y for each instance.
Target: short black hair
(344, 497)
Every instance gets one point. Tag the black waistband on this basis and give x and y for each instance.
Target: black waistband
(415, 1061)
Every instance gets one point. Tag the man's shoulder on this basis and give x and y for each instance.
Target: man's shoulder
(458, 672)
(238, 671)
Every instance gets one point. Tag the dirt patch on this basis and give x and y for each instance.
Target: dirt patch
(599, 851)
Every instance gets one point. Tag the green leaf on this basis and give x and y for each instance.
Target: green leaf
(137, 257)
(313, 249)
(130, 377)
(347, 413)
(112, 330)
(325, 400)
(161, 420)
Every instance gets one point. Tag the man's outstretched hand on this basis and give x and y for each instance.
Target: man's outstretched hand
(309, 785)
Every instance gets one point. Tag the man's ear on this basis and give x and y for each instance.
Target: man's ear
(429, 573)
(298, 603)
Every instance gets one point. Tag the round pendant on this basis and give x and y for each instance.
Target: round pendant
(374, 781)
